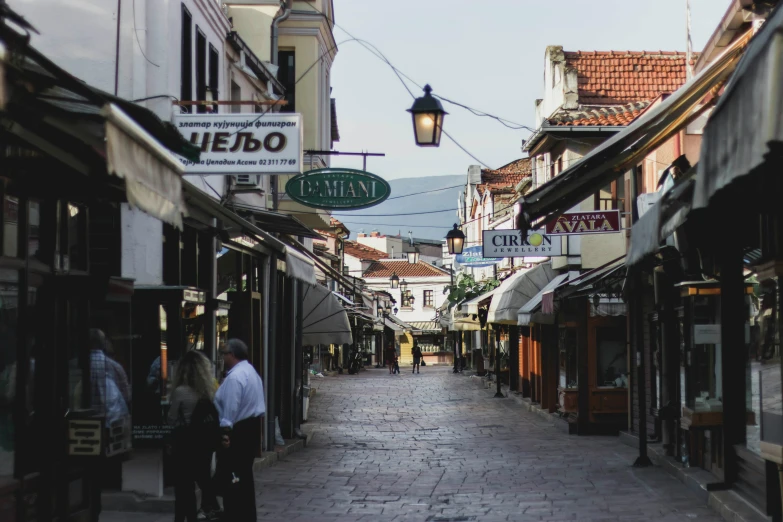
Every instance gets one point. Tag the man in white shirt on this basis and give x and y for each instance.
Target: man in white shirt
(240, 402)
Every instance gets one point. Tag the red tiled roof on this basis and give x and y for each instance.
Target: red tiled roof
(386, 267)
(506, 177)
(359, 251)
(617, 77)
(617, 115)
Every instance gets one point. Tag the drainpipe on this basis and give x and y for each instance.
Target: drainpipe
(286, 6)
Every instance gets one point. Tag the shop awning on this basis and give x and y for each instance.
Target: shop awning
(746, 121)
(595, 281)
(531, 312)
(625, 149)
(299, 266)
(471, 306)
(462, 321)
(152, 174)
(426, 326)
(275, 221)
(661, 220)
(608, 307)
(324, 320)
(84, 128)
(398, 330)
(516, 291)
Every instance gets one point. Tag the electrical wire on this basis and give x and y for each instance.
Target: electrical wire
(426, 192)
(136, 35)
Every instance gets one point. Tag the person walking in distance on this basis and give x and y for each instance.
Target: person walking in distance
(195, 437)
(417, 355)
(240, 402)
(391, 356)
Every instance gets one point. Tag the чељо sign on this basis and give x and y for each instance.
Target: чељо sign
(243, 143)
(579, 223)
(510, 243)
(334, 189)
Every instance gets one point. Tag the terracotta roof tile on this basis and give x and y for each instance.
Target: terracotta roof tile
(617, 77)
(616, 115)
(506, 177)
(359, 251)
(386, 267)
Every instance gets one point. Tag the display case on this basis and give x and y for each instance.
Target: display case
(766, 365)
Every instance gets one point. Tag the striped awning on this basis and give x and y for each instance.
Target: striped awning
(426, 326)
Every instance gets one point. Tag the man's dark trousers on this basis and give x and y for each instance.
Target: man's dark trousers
(239, 500)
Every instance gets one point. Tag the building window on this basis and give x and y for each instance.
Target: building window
(611, 197)
(236, 95)
(201, 69)
(214, 61)
(287, 76)
(186, 67)
(428, 299)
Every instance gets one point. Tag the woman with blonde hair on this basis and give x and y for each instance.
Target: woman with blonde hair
(195, 437)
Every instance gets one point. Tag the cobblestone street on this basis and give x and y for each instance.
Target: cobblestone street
(438, 447)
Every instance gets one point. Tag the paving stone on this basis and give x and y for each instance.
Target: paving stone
(435, 447)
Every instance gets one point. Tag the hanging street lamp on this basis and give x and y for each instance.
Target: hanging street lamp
(394, 280)
(455, 240)
(403, 287)
(413, 257)
(411, 299)
(428, 114)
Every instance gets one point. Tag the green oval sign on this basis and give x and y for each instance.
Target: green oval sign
(334, 189)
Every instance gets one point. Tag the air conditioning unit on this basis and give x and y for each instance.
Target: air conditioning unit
(247, 181)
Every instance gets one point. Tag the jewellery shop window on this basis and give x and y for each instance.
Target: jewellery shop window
(763, 397)
(704, 379)
(567, 358)
(611, 361)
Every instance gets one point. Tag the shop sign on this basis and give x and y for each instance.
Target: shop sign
(84, 437)
(194, 296)
(581, 223)
(243, 143)
(706, 334)
(338, 189)
(510, 243)
(473, 257)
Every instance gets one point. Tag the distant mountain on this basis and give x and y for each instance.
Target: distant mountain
(404, 199)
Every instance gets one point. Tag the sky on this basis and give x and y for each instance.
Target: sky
(486, 55)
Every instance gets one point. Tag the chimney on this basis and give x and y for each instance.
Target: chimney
(474, 175)
(375, 233)
(361, 234)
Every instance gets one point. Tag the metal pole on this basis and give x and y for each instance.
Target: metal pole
(642, 461)
(498, 393)
(454, 334)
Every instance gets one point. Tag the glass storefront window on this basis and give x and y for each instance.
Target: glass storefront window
(9, 308)
(610, 357)
(765, 372)
(10, 226)
(705, 373)
(34, 239)
(568, 373)
(76, 249)
(193, 319)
